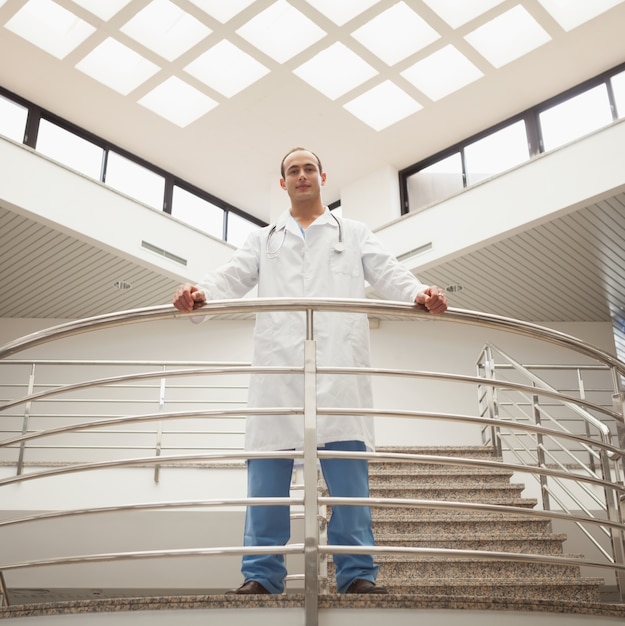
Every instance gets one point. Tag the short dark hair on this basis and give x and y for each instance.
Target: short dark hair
(291, 151)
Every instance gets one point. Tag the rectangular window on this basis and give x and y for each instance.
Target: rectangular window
(70, 149)
(197, 212)
(134, 180)
(618, 87)
(435, 182)
(497, 152)
(575, 117)
(238, 229)
(13, 118)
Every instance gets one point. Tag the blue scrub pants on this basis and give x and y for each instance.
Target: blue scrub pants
(271, 525)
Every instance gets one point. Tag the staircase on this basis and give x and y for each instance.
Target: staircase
(455, 577)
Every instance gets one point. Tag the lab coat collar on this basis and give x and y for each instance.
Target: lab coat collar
(286, 220)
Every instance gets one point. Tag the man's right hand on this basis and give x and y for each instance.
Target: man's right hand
(188, 298)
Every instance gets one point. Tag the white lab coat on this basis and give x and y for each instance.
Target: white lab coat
(293, 265)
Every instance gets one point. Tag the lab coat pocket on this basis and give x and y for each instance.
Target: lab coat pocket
(346, 263)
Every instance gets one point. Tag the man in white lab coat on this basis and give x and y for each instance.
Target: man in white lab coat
(310, 253)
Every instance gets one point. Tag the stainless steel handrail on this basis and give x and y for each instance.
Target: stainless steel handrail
(391, 310)
(370, 307)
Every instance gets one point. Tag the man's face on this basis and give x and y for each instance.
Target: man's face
(302, 178)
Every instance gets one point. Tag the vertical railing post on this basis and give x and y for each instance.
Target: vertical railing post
(4, 592)
(489, 372)
(159, 427)
(614, 511)
(25, 423)
(311, 502)
(618, 403)
(582, 396)
(540, 454)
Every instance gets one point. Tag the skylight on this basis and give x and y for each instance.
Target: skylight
(383, 105)
(340, 12)
(396, 33)
(50, 27)
(508, 36)
(442, 73)
(226, 69)
(380, 60)
(117, 66)
(104, 10)
(222, 10)
(165, 29)
(459, 12)
(571, 14)
(281, 31)
(335, 71)
(178, 102)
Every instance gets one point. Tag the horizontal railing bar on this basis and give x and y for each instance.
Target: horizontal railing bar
(46, 393)
(548, 367)
(154, 417)
(463, 461)
(463, 378)
(370, 307)
(150, 461)
(466, 506)
(128, 362)
(407, 458)
(155, 506)
(218, 414)
(467, 554)
(298, 548)
(295, 548)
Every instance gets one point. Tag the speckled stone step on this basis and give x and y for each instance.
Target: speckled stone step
(410, 475)
(528, 544)
(485, 452)
(492, 494)
(582, 590)
(408, 567)
(446, 513)
(475, 453)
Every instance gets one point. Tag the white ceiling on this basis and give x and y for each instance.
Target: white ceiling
(234, 150)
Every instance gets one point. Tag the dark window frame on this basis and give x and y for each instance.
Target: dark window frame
(532, 126)
(37, 113)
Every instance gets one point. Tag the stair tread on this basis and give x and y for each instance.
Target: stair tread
(486, 450)
(448, 487)
(416, 557)
(482, 582)
(476, 536)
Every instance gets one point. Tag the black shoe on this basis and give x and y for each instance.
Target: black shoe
(362, 585)
(248, 588)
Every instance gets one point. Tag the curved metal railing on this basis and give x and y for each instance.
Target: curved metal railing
(605, 444)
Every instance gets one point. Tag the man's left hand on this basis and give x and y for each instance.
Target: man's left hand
(433, 299)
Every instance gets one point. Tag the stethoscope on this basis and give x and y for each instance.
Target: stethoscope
(338, 246)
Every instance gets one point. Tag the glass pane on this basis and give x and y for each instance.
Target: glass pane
(435, 182)
(576, 117)
(197, 212)
(70, 149)
(498, 152)
(135, 180)
(618, 87)
(12, 119)
(238, 229)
